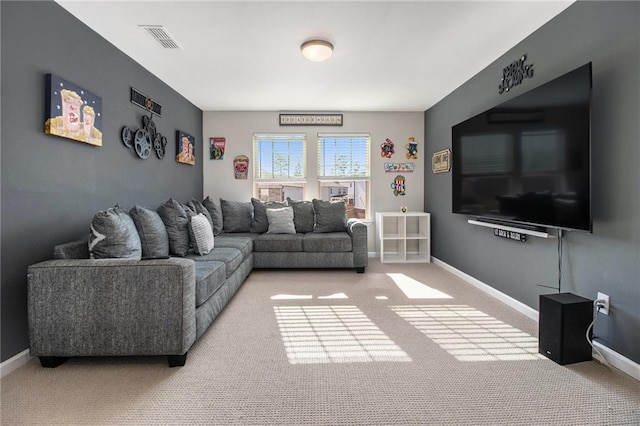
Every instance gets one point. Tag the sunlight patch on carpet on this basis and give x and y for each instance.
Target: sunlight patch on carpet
(292, 297)
(414, 289)
(308, 296)
(333, 334)
(469, 334)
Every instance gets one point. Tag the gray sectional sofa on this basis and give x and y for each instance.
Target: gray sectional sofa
(158, 300)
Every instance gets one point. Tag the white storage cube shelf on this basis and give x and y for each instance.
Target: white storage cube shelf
(404, 237)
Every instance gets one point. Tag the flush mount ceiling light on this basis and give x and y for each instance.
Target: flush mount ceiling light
(316, 50)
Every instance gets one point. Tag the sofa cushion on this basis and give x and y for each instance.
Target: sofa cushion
(303, 216)
(329, 216)
(260, 223)
(72, 250)
(236, 215)
(209, 278)
(176, 220)
(278, 242)
(200, 234)
(281, 221)
(114, 235)
(244, 243)
(231, 257)
(326, 242)
(215, 211)
(153, 234)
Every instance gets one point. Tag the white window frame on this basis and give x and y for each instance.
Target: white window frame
(297, 180)
(363, 178)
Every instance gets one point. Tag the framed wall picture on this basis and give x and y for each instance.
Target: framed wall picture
(185, 148)
(216, 148)
(441, 161)
(72, 112)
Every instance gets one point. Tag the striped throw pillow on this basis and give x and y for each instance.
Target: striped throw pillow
(201, 234)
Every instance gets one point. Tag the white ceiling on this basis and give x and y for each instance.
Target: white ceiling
(245, 56)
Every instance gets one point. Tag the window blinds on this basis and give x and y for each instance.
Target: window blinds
(343, 155)
(278, 157)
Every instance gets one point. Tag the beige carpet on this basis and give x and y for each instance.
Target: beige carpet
(398, 345)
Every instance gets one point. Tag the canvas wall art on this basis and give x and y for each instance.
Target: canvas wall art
(185, 148)
(72, 112)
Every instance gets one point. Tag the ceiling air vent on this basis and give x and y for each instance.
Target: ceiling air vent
(159, 33)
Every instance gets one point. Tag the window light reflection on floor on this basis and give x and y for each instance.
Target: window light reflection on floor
(307, 296)
(469, 334)
(333, 334)
(414, 289)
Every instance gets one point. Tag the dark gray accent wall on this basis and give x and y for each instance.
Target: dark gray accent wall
(52, 187)
(608, 35)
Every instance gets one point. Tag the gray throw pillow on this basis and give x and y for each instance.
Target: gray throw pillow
(281, 221)
(114, 235)
(303, 216)
(260, 222)
(153, 234)
(215, 210)
(330, 216)
(176, 221)
(201, 234)
(198, 207)
(236, 215)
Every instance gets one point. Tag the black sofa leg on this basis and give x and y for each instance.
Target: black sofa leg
(177, 360)
(360, 270)
(52, 361)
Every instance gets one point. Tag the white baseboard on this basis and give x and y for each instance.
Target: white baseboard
(618, 361)
(508, 300)
(615, 359)
(14, 362)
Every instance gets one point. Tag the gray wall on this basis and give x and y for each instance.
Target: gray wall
(52, 187)
(607, 34)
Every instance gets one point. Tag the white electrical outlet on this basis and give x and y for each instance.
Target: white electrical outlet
(605, 299)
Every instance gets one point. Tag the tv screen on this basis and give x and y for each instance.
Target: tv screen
(528, 160)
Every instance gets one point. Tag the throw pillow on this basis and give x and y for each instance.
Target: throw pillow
(201, 234)
(114, 235)
(281, 221)
(303, 216)
(198, 207)
(330, 216)
(153, 234)
(215, 210)
(236, 216)
(260, 222)
(176, 221)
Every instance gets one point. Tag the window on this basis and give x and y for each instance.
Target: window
(279, 162)
(343, 171)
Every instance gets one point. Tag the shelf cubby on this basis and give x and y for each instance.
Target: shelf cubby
(404, 237)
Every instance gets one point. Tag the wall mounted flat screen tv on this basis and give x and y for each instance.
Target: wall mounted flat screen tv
(528, 161)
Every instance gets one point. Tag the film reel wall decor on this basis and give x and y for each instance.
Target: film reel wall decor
(145, 139)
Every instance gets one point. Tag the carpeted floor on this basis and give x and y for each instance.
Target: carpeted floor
(398, 345)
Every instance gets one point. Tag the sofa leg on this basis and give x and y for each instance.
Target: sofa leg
(52, 361)
(360, 270)
(177, 360)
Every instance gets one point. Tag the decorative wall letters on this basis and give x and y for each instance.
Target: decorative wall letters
(514, 74)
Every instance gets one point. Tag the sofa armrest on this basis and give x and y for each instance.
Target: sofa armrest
(89, 307)
(358, 231)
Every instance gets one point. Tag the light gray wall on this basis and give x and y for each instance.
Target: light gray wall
(52, 187)
(238, 129)
(607, 34)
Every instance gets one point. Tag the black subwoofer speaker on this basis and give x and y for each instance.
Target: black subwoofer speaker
(563, 322)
